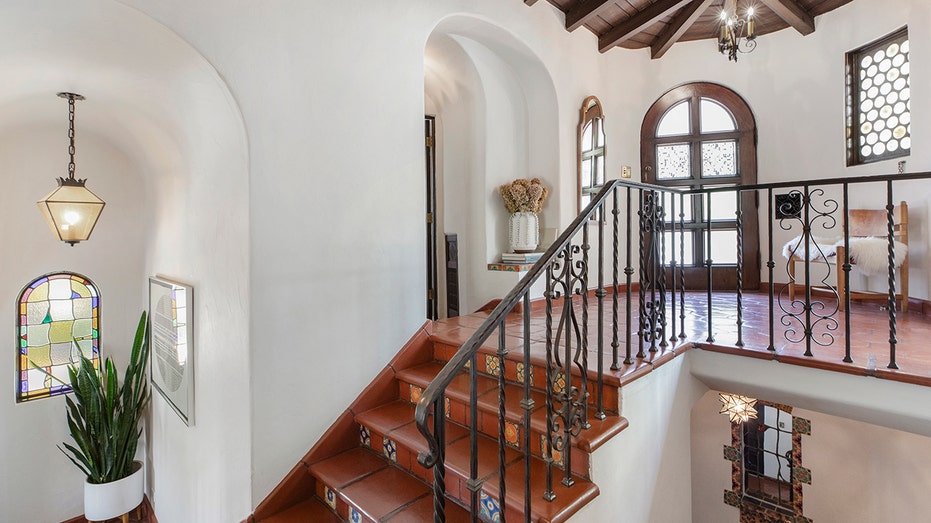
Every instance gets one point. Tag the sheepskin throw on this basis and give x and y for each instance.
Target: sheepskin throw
(869, 255)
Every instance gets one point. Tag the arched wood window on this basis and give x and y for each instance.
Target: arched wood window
(591, 151)
(58, 319)
(704, 135)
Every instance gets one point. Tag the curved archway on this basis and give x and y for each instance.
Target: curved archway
(161, 139)
(495, 107)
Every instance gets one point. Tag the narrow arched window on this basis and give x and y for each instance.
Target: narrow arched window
(703, 135)
(591, 151)
(58, 319)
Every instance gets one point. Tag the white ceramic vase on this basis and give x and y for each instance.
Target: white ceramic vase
(524, 231)
(108, 500)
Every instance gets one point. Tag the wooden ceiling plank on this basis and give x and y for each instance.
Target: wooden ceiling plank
(679, 26)
(793, 13)
(584, 11)
(652, 14)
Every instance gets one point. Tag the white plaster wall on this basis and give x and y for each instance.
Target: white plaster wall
(860, 471)
(31, 158)
(638, 469)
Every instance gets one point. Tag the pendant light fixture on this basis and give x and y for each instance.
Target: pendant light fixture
(71, 210)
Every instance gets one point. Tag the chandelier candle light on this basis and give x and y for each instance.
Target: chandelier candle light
(71, 210)
(736, 33)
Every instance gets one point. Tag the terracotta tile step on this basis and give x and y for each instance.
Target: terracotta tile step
(358, 485)
(400, 442)
(413, 380)
(488, 363)
(311, 510)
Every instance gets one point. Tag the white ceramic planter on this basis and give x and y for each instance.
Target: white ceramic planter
(523, 231)
(109, 500)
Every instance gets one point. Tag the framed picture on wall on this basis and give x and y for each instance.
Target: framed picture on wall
(171, 342)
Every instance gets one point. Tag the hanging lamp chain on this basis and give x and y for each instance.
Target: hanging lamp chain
(71, 137)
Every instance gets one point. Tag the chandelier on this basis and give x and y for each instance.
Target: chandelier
(738, 408)
(737, 34)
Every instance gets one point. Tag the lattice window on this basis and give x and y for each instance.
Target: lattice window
(57, 321)
(879, 100)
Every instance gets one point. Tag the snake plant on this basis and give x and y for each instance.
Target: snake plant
(104, 416)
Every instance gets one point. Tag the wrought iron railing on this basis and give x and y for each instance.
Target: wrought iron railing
(569, 272)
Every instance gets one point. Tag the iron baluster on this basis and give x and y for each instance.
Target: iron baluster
(582, 346)
(439, 470)
(672, 261)
(548, 493)
(661, 229)
(600, 294)
(502, 440)
(527, 404)
(771, 265)
(806, 235)
(708, 262)
(653, 317)
(643, 277)
(846, 269)
(890, 225)
(615, 343)
(629, 271)
(682, 265)
(474, 483)
(740, 264)
(563, 444)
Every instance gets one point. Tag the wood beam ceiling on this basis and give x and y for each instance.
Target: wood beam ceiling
(794, 14)
(679, 26)
(583, 12)
(649, 16)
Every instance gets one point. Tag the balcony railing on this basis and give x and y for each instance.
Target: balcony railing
(666, 237)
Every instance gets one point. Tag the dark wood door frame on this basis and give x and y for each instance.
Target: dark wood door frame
(430, 147)
(723, 276)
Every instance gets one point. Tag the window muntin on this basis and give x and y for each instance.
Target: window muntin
(58, 320)
(767, 453)
(591, 151)
(879, 100)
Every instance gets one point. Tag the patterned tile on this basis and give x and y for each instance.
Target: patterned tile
(446, 406)
(489, 510)
(559, 382)
(731, 453)
(557, 454)
(416, 392)
(732, 498)
(491, 365)
(354, 515)
(802, 426)
(521, 374)
(390, 449)
(801, 475)
(512, 434)
(330, 497)
(365, 437)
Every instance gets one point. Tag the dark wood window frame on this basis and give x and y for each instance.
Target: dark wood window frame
(745, 136)
(591, 113)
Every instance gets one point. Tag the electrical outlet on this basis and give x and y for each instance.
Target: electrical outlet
(625, 171)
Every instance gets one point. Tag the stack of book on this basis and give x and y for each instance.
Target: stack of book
(520, 258)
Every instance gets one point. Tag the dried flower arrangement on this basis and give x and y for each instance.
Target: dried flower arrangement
(523, 195)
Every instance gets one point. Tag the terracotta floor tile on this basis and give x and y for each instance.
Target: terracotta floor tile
(421, 511)
(310, 510)
(345, 468)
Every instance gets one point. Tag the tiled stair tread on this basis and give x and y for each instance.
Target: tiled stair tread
(589, 440)
(458, 456)
(384, 492)
(347, 467)
(422, 510)
(538, 359)
(403, 429)
(422, 375)
(568, 499)
(310, 510)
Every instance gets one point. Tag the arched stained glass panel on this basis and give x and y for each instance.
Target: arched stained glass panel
(58, 320)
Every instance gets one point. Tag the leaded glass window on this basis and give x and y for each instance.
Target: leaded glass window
(879, 100)
(57, 321)
(591, 151)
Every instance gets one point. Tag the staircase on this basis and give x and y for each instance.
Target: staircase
(365, 468)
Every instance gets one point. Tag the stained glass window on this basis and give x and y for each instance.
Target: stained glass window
(58, 320)
(879, 100)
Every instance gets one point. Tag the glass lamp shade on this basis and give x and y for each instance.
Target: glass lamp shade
(71, 210)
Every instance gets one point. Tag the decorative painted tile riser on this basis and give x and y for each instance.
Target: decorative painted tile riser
(488, 364)
(488, 425)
